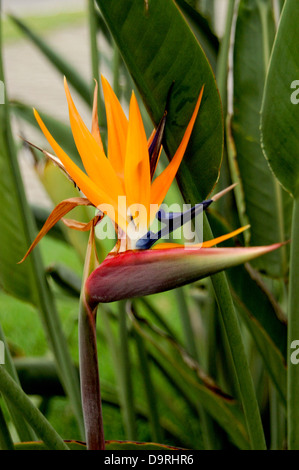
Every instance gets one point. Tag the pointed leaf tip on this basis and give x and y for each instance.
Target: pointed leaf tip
(139, 273)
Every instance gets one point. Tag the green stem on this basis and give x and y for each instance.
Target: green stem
(277, 419)
(293, 335)
(120, 370)
(232, 328)
(192, 350)
(6, 442)
(126, 374)
(13, 392)
(186, 322)
(149, 388)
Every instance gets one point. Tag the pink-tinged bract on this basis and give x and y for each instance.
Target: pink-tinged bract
(139, 273)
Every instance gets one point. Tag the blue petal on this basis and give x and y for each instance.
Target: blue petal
(173, 221)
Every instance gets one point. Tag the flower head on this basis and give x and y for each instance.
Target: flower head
(127, 173)
(127, 170)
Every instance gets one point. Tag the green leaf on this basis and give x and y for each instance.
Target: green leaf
(66, 279)
(158, 48)
(13, 392)
(261, 313)
(149, 389)
(24, 431)
(125, 375)
(38, 445)
(279, 128)
(15, 219)
(202, 30)
(280, 116)
(255, 29)
(196, 385)
(38, 376)
(6, 442)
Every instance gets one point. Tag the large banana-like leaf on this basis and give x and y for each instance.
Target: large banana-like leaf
(15, 222)
(280, 120)
(255, 29)
(280, 117)
(159, 49)
(202, 30)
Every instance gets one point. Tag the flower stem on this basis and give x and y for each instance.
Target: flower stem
(89, 376)
(89, 370)
(293, 335)
(244, 379)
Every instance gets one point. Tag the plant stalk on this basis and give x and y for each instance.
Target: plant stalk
(244, 379)
(6, 442)
(126, 375)
(293, 335)
(88, 358)
(89, 377)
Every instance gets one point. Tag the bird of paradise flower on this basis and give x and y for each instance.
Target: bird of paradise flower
(134, 267)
